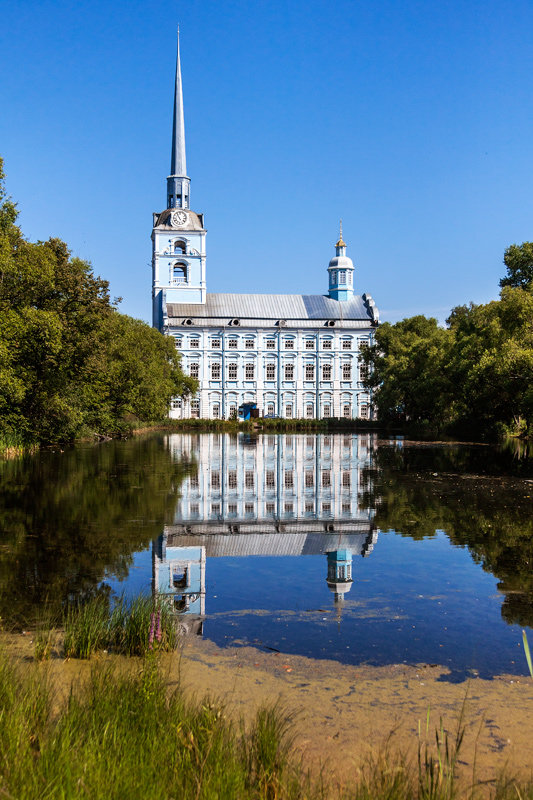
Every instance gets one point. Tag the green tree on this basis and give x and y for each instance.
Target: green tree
(69, 362)
(518, 259)
(408, 372)
(492, 361)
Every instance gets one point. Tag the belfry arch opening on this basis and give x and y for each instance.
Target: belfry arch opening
(179, 273)
(180, 246)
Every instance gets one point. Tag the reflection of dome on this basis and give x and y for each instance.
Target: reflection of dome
(340, 589)
(339, 578)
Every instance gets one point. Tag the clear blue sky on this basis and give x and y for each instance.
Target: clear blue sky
(413, 121)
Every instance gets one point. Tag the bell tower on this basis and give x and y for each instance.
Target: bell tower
(178, 234)
(341, 272)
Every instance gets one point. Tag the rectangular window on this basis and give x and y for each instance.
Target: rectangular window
(215, 371)
(195, 408)
(363, 372)
(194, 370)
(270, 344)
(288, 411)
(232, 371)
(195, 343)
(215, 479)
(309, 411)
(215, 509)
(249, 372)
(327, 344)
(327, 411)
(347, 372)
(193, 482)
(309, 372)
(288, 508)
(309, 508)
(309, 479)
(289, 344)
(309, 344)
(270, 409)
(249, 344)
(346, 508)
(270, 479)
(232, 508)
(232, 479)
(249, 479)
(346, 344)
(326, 479)
(195, 509)
(232, 344)
(289, 372)
(270, 508)
(363, 413)
(271, 372)
(326, 508)
(346, 479)
(326, 372)
(289, 479)
(346, 411)
(342, 276)
(215, 343)
(176, 402)
(178, 343)
(216, 411)
(248, 508)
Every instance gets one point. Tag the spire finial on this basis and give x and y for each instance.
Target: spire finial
(340, 243)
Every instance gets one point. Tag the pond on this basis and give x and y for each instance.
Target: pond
(342, 546)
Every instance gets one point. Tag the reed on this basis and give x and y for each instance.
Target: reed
(133, 627)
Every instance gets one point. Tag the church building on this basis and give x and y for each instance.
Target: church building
(275, 355)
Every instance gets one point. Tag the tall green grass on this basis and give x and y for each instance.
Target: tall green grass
(126, 735)
(123, 736)
(133, 627)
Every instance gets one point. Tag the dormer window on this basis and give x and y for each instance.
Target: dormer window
(179, 273)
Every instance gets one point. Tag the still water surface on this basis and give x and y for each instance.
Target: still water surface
(331, 546)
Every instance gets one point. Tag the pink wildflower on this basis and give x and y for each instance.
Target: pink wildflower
(158, 633)
(151, 636)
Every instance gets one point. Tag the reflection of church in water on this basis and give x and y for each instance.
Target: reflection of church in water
(267, 495)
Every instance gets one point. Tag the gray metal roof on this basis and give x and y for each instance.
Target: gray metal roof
(275, 307)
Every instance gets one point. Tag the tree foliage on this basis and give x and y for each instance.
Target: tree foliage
(518, 259)
(69, 362)
(474, 377)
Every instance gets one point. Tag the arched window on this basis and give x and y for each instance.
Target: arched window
(180, 246)
(179, 273)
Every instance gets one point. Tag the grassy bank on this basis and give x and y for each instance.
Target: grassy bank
(259, 425)
(126, 729)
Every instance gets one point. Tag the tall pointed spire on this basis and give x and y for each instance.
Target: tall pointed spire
(178, 184)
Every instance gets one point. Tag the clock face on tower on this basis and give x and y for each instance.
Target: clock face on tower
(178, 218)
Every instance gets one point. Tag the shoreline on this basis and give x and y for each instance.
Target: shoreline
(343, 716)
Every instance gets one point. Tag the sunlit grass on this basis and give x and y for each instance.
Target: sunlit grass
(122, 733)
(133, 627)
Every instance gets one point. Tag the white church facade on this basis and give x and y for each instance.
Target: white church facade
(277, 355)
